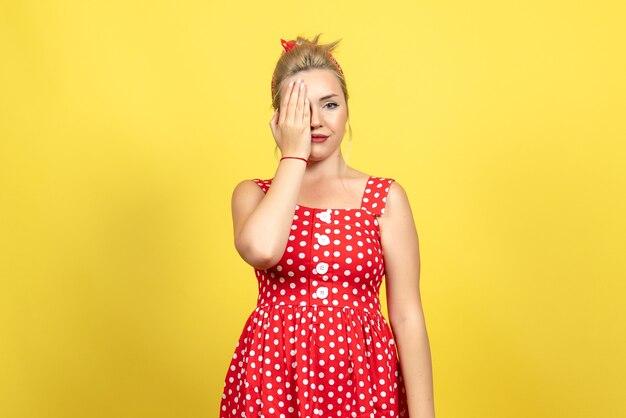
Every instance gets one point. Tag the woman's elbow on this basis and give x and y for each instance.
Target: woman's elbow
(258, 255)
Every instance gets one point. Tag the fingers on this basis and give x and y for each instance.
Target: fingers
(307, 113)
(293, 102)
(299, 115)
(295, 106)
(285, 102)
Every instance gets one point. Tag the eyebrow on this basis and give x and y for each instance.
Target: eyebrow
(327, 97)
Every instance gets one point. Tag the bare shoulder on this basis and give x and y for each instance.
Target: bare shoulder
(248, 186)
(397, 228)
(397, 204)
(397, 218)
(246, 192)
(245, 198)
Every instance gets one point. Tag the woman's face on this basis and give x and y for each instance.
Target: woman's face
(329, 112)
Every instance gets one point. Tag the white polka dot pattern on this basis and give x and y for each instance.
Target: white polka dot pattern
(317, 344)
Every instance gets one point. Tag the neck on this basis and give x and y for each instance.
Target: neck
(332, 167)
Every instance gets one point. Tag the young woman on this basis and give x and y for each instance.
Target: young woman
(317, 344)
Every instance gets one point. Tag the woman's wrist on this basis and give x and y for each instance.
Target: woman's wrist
(294, 153)
(294, 157)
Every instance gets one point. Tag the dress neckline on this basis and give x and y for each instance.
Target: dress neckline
(327, 209)
(361, 208)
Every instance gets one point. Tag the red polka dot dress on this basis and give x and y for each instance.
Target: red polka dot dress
(317, 343)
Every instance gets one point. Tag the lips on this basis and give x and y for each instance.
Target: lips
(318, 138)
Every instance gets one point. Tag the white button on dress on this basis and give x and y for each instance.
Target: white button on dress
(323, 240)
(322, 292)
(321, 267)
(324, 216)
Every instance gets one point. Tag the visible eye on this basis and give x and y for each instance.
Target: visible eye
(331, 103)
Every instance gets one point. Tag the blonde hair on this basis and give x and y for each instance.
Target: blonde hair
(308, 55)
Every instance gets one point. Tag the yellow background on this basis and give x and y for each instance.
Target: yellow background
(125, 125)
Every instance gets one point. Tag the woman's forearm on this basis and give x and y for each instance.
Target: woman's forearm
(267, 229)
(416, 365)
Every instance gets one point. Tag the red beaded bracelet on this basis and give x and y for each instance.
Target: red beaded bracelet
(297, 158)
